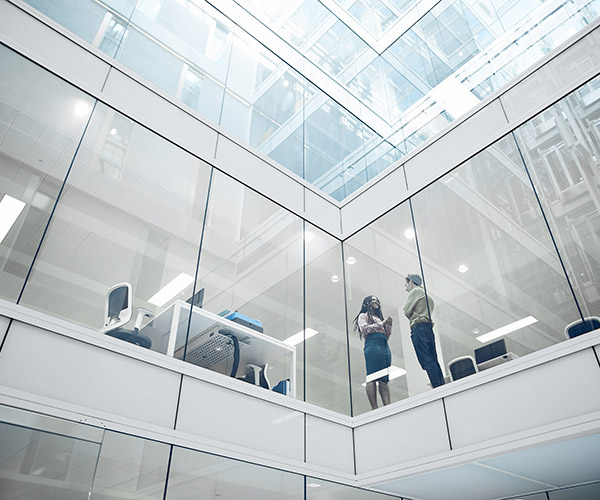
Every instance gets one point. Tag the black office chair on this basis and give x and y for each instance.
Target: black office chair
(580, 327)
(462, 367)
(117, 312)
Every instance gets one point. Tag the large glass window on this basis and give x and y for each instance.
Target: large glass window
(325, 347)
(132, 211)
(42, 120)
(488, 259)
(251, 267)
(200, 475)
(130, 467)
(101, 23)
(377, 260)
(38, 464)
(561, 148)
(317, 489)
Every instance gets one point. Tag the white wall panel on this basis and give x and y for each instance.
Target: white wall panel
(4, 321)
(377, 199)
(322, 212)
(50, 49)
(64, 369)
(259, 174)
(470, 136)
(545, 394)
(229, 416)
(566, 71)
(412, 434)
(329, 445)
(160, 115)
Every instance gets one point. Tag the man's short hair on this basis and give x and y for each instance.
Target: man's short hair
(415, 278)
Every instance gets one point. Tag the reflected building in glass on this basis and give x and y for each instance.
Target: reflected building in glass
(197, 197)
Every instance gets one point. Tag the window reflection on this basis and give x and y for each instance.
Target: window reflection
(488, 259)
(122, 218)
(38, 464)
(42, 120)
(561, 148)
(201, 475)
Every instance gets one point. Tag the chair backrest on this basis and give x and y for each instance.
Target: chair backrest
(462, 367)
(580, 327)
(117, 307)
(490, 351)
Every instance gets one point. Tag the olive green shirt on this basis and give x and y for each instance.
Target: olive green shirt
(415, 308)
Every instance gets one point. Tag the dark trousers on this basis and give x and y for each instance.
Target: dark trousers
(423, 341)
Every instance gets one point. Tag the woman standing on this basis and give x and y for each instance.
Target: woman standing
(375, 331)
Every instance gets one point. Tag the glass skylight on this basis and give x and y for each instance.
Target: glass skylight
(336, 91)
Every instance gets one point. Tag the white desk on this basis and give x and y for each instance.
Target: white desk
(490, 363)
(209, 347)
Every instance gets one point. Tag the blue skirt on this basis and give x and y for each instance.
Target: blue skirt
(377, 354)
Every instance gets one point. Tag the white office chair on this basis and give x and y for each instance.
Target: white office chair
(462, 367)
(118, 312)
(580, 327)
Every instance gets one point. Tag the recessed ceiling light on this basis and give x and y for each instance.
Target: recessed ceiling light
(463, 268)
(308, 236)
(475, 331)
(335, 278)
(10, 209)
(113, 131)
(301, 336)
(171, 289)
(409, 233)
(313, 485)
(351, 261)
(82, 109)
(506, 329)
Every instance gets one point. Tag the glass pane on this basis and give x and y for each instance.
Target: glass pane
(183, 48)
(42, 120)
(251, 269)
(35, 464)
(582, 492)
(101, 24)
(131, 213)
(325, 345)
(199, 475)
(488, 260)
(317, 489)
(561, 149)
(378, 258)
(130, 467)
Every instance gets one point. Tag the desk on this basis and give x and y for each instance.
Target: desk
(209, 347)
(498, 360)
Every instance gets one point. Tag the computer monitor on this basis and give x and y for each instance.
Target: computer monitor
(197, 298)
(490, 351)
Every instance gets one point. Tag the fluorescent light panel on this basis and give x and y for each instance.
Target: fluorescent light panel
(506, 329)
(393, 372)
(171, 289)
(299, 337)
(10, 209)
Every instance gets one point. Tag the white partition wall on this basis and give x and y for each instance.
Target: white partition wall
(63, 371)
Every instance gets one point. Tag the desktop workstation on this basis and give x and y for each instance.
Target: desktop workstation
(211, 345)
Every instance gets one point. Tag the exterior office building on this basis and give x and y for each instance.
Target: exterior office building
(289, 159)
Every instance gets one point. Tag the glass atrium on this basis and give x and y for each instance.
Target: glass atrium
(334, 91)
(246, 300)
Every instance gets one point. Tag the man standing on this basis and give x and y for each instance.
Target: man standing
(421, 328)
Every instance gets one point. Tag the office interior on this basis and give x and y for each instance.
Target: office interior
(236, 177)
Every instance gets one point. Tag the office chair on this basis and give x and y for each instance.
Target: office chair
(580, 327)
(118, 312)
(462, 367)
